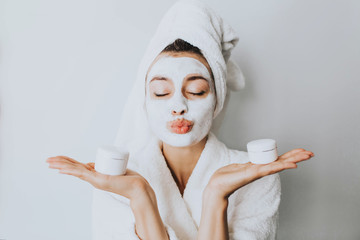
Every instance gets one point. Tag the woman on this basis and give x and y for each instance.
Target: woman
(181, 182)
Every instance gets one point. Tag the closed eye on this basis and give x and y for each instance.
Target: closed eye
(198, 94)
(161, 95)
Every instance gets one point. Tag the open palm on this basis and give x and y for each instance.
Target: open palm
(228, 179)
(125, 185)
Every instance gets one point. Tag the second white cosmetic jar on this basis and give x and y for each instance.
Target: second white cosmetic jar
(111, 160)
(262, 151)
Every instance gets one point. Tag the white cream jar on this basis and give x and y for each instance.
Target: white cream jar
(111, 160)
(262, 151)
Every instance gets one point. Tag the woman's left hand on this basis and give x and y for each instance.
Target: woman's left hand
(228, 179)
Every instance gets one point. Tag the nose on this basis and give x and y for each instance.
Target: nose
(176, 113)
(179, 106)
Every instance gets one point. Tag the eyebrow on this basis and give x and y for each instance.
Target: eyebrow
(196, 77)
(158, 78)
(192, 78)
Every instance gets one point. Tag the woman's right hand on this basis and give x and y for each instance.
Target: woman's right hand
(131, 185)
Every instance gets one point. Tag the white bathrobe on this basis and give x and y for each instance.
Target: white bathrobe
(252, 210)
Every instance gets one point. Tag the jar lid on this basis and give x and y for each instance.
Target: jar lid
(114, 152)
(261, 145)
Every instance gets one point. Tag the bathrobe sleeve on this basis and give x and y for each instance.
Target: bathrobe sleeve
(255, 210)
(112, 218)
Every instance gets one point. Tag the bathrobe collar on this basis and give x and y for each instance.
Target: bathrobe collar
(181, 212)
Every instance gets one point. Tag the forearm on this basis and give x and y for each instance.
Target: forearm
(148, 222)
(213, 223)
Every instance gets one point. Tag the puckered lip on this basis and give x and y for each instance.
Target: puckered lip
(180, 126)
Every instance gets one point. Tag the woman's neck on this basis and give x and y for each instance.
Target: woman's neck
(182, 161)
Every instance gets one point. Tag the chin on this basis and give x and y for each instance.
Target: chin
(182, 140)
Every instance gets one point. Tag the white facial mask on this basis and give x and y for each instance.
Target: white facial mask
(199, 111)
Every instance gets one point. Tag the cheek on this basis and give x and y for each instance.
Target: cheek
(203, 108)
(155, 109)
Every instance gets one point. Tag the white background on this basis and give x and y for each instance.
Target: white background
(67, 67)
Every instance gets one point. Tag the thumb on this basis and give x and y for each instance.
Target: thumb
(91, 165)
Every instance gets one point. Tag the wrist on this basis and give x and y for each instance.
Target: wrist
(214, 192)
(212, 197)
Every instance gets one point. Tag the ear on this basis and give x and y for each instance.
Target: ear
(235, 79)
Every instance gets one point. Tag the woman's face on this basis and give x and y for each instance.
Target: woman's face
(180, 98)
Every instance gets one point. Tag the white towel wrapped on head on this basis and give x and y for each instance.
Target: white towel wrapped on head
(197, 24)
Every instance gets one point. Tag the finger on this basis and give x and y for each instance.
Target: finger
(288, 154)
(61, 158)
(276, 167)
(59, 165)
(302, 156)
(65, 162)
(77, 171)
(68, 161)
(71, 161)
(72, 167)
(50, 159)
